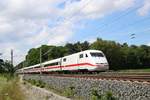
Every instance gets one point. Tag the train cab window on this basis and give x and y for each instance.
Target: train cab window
(97, 55)
(64, 60)
(81, 56)
(86, 55)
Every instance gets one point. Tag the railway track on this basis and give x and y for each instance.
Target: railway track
(140, 77)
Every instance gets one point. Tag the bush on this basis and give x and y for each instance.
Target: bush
(96, 96)
(109, 96)
(41, 84)
(70, 92)
(37, 83)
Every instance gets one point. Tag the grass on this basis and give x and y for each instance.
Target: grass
(68, 92)
(3, 81)
(135, 70)
(10, 88)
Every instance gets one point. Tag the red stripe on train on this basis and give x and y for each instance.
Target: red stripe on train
(72, 65)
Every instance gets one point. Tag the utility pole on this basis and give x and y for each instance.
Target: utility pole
(23, 64)
(0, 55)
(11, 56)
(41, 59)
(43, 55)
(79, 46)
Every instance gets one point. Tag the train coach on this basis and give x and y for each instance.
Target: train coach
(89, 60)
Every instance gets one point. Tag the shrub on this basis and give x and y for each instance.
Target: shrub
(107, 96)
(95, 95)
(41, 84)
(70, 92)
(37, 83)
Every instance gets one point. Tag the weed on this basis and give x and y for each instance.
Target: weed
(107, 96)
(37, 83)
(70, 92)
(95, 95)
(12, 91)
(47, 98)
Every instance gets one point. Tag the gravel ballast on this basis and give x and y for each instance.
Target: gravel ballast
(123, 90)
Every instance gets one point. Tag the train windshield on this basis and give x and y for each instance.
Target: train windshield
(97, 54)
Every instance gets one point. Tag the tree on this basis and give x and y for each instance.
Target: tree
(119, 56)
(111, 50)
(6, 67)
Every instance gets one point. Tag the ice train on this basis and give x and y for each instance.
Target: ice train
(89, 60)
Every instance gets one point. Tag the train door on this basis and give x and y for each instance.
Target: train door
(78, 62)
(84, 59)
(60, 64)
(64, 63)
(81, 61)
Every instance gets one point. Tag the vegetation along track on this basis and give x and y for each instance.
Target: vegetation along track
(140, 77)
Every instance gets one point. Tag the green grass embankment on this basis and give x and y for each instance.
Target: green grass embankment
(135, 70)
(10, 88)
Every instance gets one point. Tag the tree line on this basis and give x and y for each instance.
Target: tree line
(6, 67)
(119, 56)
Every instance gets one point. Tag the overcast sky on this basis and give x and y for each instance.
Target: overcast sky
(25, 24)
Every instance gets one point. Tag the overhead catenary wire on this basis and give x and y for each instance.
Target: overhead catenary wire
(124, 27)
(48, 51)
(105, 24)
(134, 33)
(133, 23)
(102, 28)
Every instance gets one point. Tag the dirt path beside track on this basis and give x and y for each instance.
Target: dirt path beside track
(35, 93)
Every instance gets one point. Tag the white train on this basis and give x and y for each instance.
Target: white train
(89, 60)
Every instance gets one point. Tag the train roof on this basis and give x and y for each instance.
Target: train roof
(58, 59)
(31, 66)
(92, 51)
(86, 51)
(52, 61)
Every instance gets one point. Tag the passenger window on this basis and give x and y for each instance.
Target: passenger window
(52, 64)
(64, 60)
(86, 55)
(81, 55)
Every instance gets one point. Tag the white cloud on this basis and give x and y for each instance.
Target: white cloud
(22, 21)
(25, 24)
(144, 10)
(96, 8)
(148, 44)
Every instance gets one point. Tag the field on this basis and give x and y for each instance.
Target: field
(3, 82)
(135, 70)
(10, 88)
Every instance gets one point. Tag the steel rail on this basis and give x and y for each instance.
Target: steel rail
(140, 78)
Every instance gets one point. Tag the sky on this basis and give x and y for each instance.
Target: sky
(26, 24)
